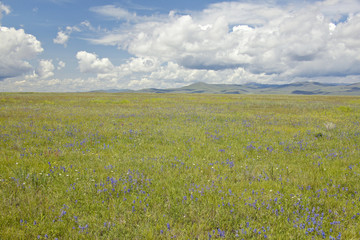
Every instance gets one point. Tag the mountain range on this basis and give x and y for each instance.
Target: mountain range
(302, 88)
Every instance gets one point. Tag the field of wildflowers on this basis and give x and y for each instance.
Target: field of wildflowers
(148, 166)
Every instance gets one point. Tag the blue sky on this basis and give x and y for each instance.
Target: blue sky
(83, 45)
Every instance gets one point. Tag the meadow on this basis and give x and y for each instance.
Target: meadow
(162, 166)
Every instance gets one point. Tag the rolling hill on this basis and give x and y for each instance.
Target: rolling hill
(302, 88)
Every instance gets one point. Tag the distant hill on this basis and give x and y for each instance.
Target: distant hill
(303, 88)
(113, 91)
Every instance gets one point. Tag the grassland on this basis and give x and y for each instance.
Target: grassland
(149, 166)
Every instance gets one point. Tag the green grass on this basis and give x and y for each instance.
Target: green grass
(147, 166)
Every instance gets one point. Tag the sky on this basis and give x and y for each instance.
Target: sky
(85, 45)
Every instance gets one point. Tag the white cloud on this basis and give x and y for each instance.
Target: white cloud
(134, 67)
(15, 49)
(61, 65)
(288, 41)
(63, 36)
(144, 72)
(114, 12)
(142, 83)
(45, 69)
(4, 9)
(142, 64)
(89, 62)
(252, 14)
(165, 76)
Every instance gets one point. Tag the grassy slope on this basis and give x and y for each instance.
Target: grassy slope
(147, 166)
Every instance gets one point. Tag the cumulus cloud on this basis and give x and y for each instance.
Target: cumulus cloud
(61, 38)
(89, 62)
(45, 69)
(264, 39)
(142, 72)
(15, 49)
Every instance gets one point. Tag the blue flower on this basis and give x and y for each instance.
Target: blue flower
(339, 236)
(221, 233)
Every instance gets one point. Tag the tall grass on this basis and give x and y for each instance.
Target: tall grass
(147, 166)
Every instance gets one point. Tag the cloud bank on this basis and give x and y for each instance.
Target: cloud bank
(227, 42)
(290, 41)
